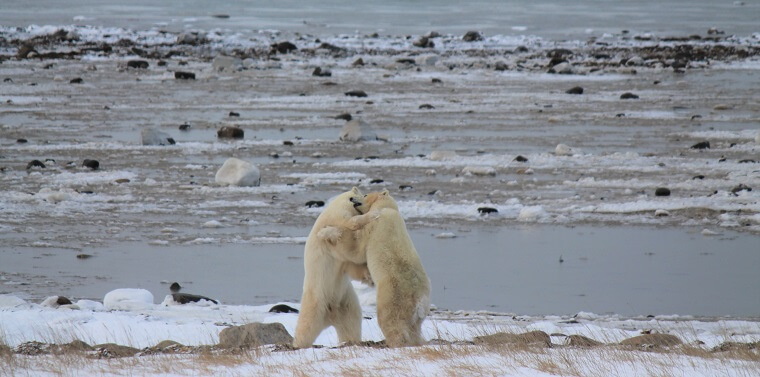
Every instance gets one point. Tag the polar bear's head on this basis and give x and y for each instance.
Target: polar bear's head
(377, 200)
(350, 199)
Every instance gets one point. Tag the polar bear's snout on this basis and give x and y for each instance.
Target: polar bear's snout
(356, 202)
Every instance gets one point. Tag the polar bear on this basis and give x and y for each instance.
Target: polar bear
(329, 260)
(403, 287)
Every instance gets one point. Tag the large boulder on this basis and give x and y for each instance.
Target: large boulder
(357, 130)
(128, 299)
(236, 172)
(254, 335)
(151, 136)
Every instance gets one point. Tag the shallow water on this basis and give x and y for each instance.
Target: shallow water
(621, 270)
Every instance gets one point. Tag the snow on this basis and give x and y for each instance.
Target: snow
(128, 299)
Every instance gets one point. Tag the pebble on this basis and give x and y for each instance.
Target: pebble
(423, 42)
(35, 164)
(436, 81)
(500, 66)
(708, 232)
(701, 145)
(122, 180)
(628, 95)
(356, 93)
(92, 164)
(315, 203)
(376, 181)
(180, 75)
(230, 132)
(345, 116)
(138, 64)
(152, 136)
(282, 308)
(445, 235)
(426, 106)
(722, 106)
(479, 170)
(563, 150)
(740, 187)
(358, 63)
(21, 141)
(77, 80)
(234, 114)
(405, 187)
(319, 72)
(520, 158)
(661, 213)
(212, 224)
(236, 172)
(575, 90)
(487, 210)
(185, 127)
(284, 47)
(662, 191)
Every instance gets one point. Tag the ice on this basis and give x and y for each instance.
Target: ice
(128, 299)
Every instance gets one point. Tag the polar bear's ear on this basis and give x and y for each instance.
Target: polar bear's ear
(355, 190)
(385, 192)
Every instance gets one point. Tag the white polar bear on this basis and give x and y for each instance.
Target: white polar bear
(403, 287)
(329, 259)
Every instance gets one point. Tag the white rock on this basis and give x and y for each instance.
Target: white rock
(531, 213)
(58, 78)
(636, 60)
(53, 196)
(236, 172)
(212, 224)
(564, 68)
(563, 150)
(445, 235)
(661, 213)
(52, 302)
(90, 305)
(357, 130)
(479, 170)
(128, 299)
(428, 60)
(708, 232)
(151, 136)
(443, 156)
(223, 63)
(431, 172)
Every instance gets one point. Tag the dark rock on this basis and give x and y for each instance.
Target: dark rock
(356, 93)
(582, 341)
(139, 64)
(221, 16)
(25, 52)
(701, 145)
(112, 350)
(472, 36)
(161, 63)
(77, 80)
(741, 187)
(376, 181)
(433, 192)
(487, 210)
(423, 42)
(520, 158)
(5, 350)
(406, 61)
(700, 176)
(63, 301)
(620, 115)
(556, 61)
(436, 81)
(344, 116)
(333, 48)
(234, 114)
(175, 287)
(122, 180)
(185, 127)
(35, 164)
(92, 164)
(230, 132)
(575, 90)
(21, 141)
(319, 72)
(559, 53)
(315, 203)
(180, 75)
(84, 256)
(284, 47)
(7, 79)
(426, 106)
(747, 161)
(358, 62)
(405, 187)
(282, 308)
(662, 191)
(528, 338)
(500, 66)
(287, 142)
(254, 335)
(652, 340)
(696, 117)
(628, 95)
(185, 298)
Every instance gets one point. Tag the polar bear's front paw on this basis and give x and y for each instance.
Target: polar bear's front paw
(330, 234)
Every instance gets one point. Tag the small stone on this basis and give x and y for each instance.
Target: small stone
(500, 66)
(722, 107)
(662, 191)
(376, 181)
(628, 95)
(445, 235)
(230, 132)
(740, 187)
(358, 62)
(287, 142)
(63, 301)
(185, 127)
(563, 150)
(319, 72)
(21, 141)
(35, 164)
(234, 114)
(423, 42)
(138, 64)
(436, 81)
(426, 106)
(701, 145)
(92, 164)
(520, 158)
(487, 210)
(152, 136)
(122, 180)
(472, 36)
(575, 90)
(344, 116)
(355, 93)
(180, 75)
(77, 80)
(282, 308)
(661, 213)
(315, 203)
(236, 172)
(699, 176)
(405, 187)
(84, 256)
(479, 170)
